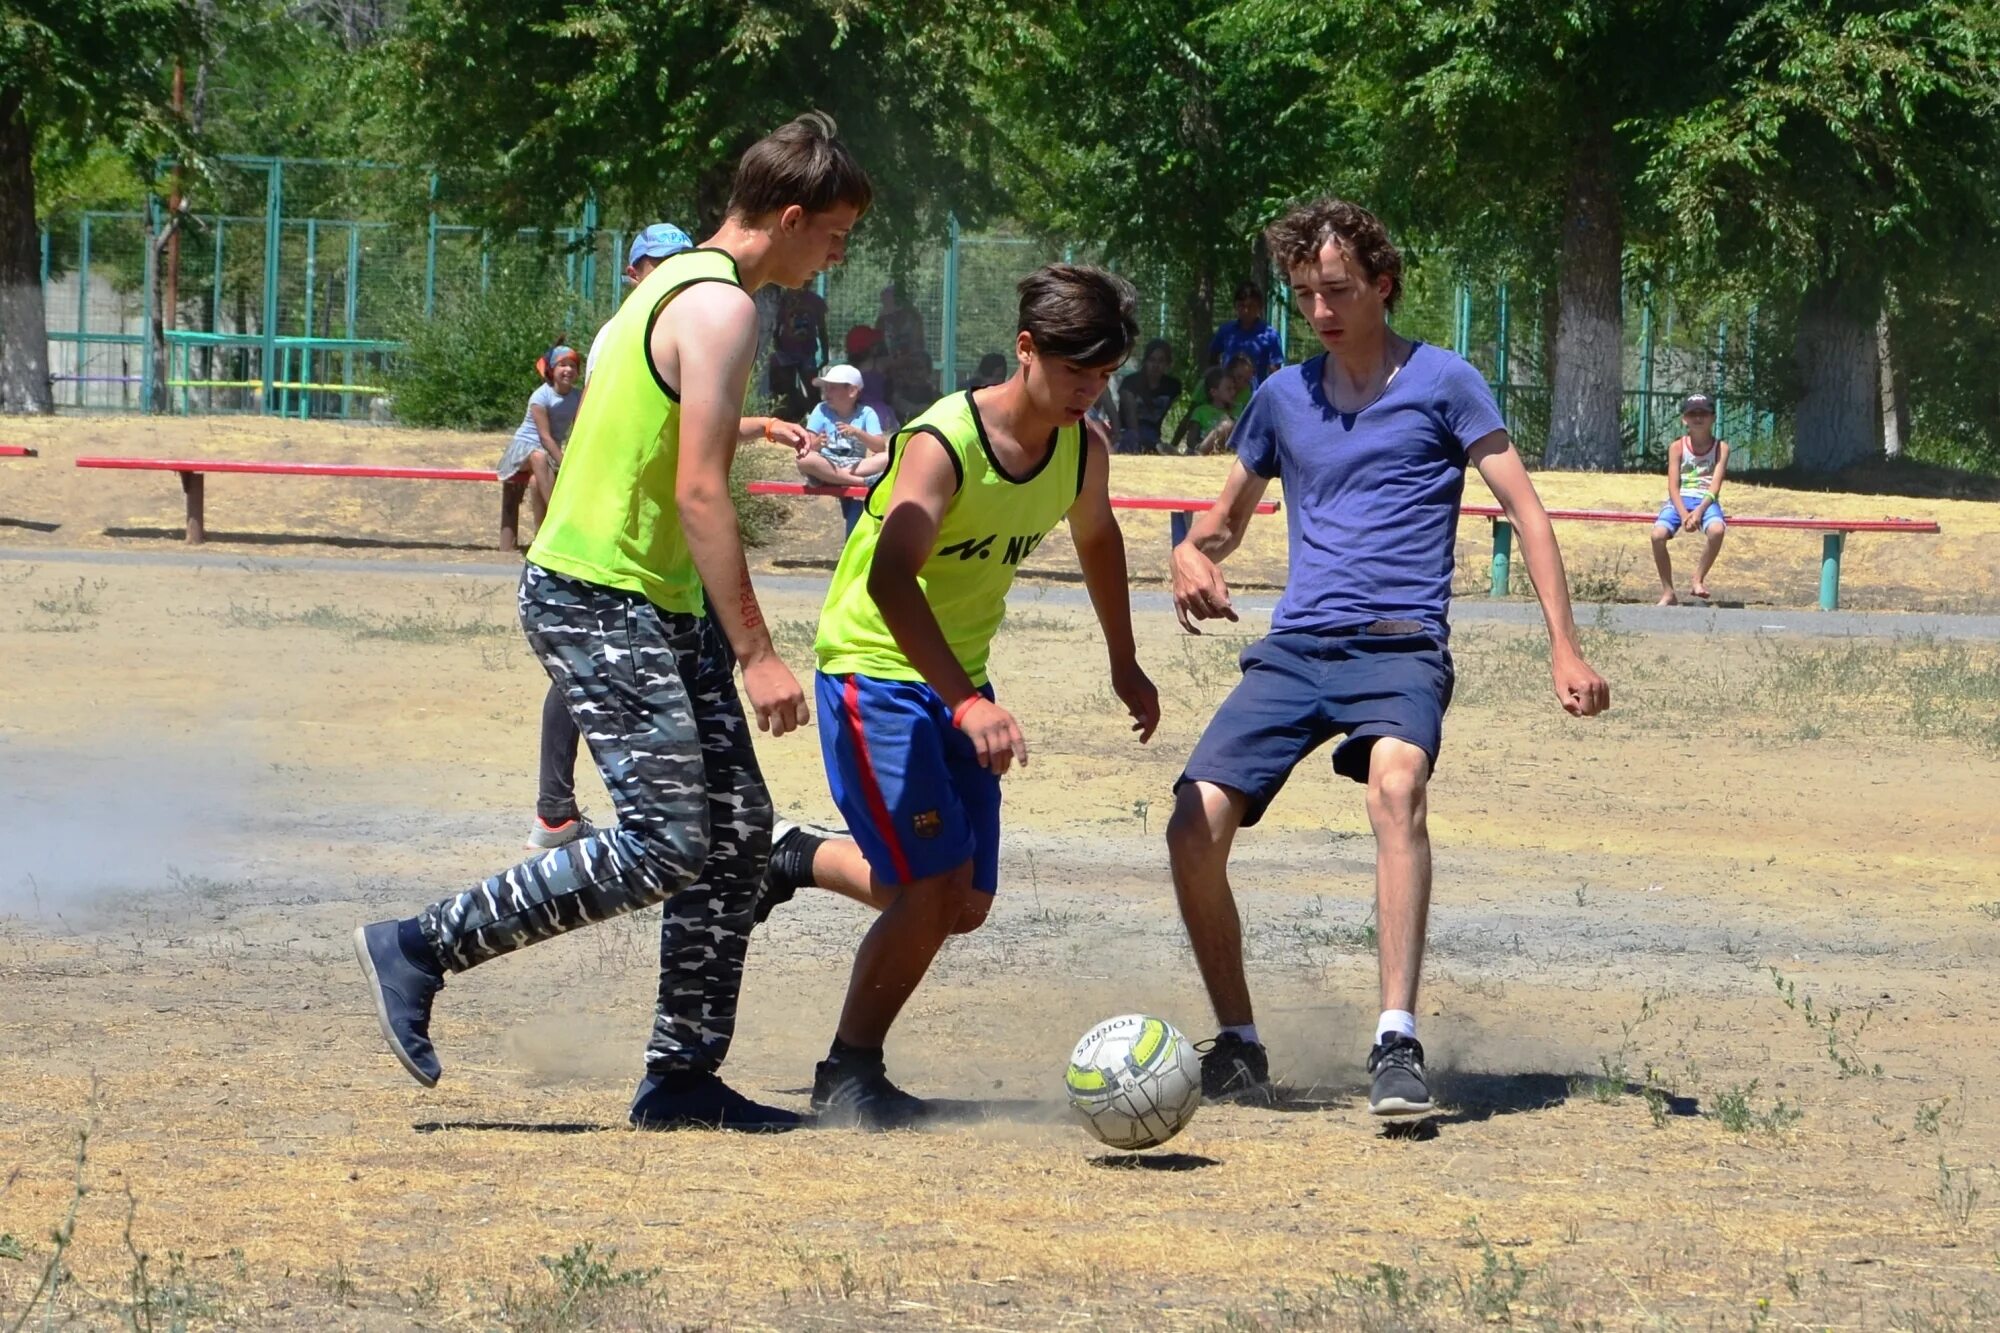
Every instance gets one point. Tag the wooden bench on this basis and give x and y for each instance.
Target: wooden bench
(1833, 541)
(193, 472)
(17, 451)
(1182, 509)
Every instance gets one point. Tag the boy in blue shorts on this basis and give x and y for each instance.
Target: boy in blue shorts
(913, 741)
(1372, 439)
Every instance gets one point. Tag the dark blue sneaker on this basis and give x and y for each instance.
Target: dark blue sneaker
(703, 1101)
(1235, 1070)
(858, 1094)
(403, 992)
(1397, 1086)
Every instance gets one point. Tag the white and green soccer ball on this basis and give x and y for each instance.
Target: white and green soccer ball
(1134, 1080)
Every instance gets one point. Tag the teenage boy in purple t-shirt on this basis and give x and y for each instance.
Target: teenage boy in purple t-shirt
(1372, 440)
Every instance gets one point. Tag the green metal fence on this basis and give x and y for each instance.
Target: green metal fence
(291, 277)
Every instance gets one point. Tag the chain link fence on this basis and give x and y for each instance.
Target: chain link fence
(290, 279)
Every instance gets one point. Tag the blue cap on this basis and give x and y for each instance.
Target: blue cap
(657, 242)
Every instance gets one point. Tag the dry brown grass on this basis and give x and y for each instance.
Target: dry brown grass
(1610, 894)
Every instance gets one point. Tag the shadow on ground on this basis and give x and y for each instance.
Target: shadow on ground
(1166, 1161)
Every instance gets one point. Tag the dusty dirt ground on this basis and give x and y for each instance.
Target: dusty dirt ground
(48, 503)
(1709, 994)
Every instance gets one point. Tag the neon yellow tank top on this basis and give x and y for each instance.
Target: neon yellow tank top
(613, 520)
(993, 523)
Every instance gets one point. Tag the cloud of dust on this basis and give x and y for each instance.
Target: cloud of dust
(81, 824)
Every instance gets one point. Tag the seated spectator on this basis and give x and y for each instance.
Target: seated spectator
(1144, 398)
(1207, 426)
(869, 354)
(797, 345)
(1248, 334)
(992, 370)
(853, 447)
(1242, 381)
(535, 453)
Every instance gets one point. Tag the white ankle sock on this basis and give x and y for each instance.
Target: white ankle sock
(1243, 1031)
(1397, 1022)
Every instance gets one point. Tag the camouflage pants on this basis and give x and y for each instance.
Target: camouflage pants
(655, 695)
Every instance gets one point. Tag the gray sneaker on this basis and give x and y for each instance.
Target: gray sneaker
(1398, 1087)
(546, 837)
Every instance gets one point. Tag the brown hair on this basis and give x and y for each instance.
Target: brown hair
(1305, 229)
(1078, 313)
(804, 163)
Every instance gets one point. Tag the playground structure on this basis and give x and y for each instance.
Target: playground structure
(284, 288)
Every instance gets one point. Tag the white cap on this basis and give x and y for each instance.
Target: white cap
(839, 374)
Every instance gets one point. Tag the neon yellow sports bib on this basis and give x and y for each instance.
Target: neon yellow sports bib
(993, 523)
(613, 519)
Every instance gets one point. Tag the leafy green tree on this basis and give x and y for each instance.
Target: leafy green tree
(1167, 134)
(1854, 145)
(524, 105)
(1508, 132)
(72, 74)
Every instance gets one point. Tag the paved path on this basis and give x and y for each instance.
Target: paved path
(1465, 611)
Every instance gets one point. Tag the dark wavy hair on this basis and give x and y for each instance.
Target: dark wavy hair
(1304, 230)
(1079, 313)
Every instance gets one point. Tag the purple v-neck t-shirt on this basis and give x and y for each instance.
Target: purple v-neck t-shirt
(1371, 497)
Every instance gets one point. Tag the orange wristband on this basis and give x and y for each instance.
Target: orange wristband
(964, 707)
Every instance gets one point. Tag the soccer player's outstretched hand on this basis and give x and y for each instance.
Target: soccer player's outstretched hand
(996, 736)
(775, 695)
(1580, 690)
(1200, 592)
(1139, 696)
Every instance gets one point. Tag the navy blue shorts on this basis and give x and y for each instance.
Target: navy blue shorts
(909, 784)
(1300, 690)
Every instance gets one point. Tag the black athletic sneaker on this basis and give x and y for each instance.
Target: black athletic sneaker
(703, 1101)
(858, 1093)
(1397, 1064)
(403, 990)
(790, 869)
(1233, 1070)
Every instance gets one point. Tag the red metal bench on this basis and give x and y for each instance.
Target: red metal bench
(1181, 508)
(1833, 538)
(192, 472)
(17, 451)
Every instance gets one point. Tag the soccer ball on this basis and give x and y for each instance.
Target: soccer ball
(1134, 1081)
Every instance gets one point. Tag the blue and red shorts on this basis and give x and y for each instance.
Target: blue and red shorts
(909, 784)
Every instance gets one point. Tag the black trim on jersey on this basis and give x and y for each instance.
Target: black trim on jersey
(1055, 443)
(1083, 442)
(898, 437)
(653, 317)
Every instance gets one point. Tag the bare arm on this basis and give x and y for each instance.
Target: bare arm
(707, 344)
(924, 486)
(1580, 689)
(1100, 550)
(1200, 592)
(1715, 488)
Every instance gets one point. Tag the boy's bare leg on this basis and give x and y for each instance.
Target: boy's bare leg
(1711, 548)
(1665, 564)
(1398, 778)
(1199, 836)
(839, 867)
(898, 950)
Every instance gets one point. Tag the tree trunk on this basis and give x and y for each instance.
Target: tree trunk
(1200, 316)
(1836, 425)
(1588, 379)
(24, 329)
(1895, 398)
